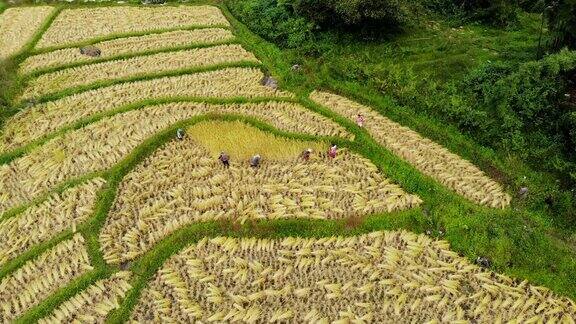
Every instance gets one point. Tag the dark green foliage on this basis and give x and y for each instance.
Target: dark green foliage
(523, 104)
(356, 13)
(302, 23)
(296, 23)
(496, 12)
(274, 20)
(535, 6)
(493, 12)
(528, 114)
(561, 16)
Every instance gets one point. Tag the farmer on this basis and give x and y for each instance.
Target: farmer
(306, 154)
(225, 159)
(333, 151)
(255, 161)
(180, 134)
(360, 120)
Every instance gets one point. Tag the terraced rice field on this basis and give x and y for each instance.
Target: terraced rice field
(105, 215)
(378, 277)
(127, 46)
(183, 183)
(429, 157)
(18, 26)
(135, 67)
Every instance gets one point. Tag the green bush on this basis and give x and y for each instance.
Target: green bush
(298, 23)
(273, 20)
(561, 15)
(356, 13)
(526, 110)
(493, 12)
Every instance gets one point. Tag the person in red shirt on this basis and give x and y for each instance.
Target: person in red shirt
(333, 151)
(360, 120)
(306, 154)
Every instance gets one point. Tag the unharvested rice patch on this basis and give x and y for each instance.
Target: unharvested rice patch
(93, 304)
(135, 67)
(44, 221)
(432, 159)
(241, 141)
(41, 277)
(83, 24)
(39, 120)
(183, 183)
(18, 26)
(381, 277)
(102, 144)
(127, 46)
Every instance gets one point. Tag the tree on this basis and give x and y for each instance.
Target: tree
(561, 16)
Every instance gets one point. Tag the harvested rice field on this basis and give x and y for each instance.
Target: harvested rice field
(127, 46)
(139, 66)
(378, 277)
(85, 24)
(18, 26)
(156, 167)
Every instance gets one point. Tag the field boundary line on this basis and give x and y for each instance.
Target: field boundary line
(158, 75)
(24, 52)
(57, 190)
(61, 295)
(121, 35)
(16, 263)
(38, 72)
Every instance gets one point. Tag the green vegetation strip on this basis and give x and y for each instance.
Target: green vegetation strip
(31, 254)
(107, 83)
(9, 81)
(48, 305)
(120, 35)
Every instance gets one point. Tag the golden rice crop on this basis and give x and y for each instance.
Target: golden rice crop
(432, 159)
(41, 277)
(127, 45)
(41, 119)
(81, 24)
(44, 221)
(241, 141)
(380, 277)
(101, 145)
(183, 183)
(93, 304)
(18, 25)
(134, 67)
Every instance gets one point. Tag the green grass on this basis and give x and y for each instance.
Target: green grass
(520, 240)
